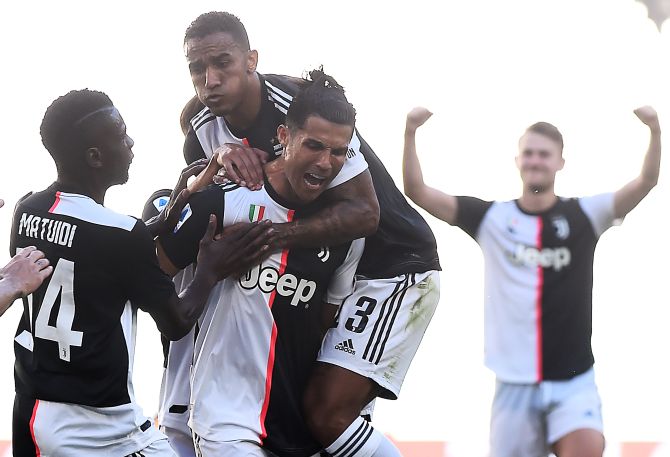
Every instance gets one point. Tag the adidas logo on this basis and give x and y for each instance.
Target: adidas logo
(346, 346)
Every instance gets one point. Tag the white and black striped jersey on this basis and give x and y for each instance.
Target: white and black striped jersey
(260, 334)
(76, 338)
(538, 283)
(404, 243)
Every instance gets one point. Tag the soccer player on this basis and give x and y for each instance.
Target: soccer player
(259, 337)
(538, 255)
(75, 341)
(368, 353)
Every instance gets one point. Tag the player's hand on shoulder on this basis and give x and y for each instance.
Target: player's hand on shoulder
(648, 116)
(26, 271)
(168, 218)
(417, 117)
(236, 249)
(241, 164)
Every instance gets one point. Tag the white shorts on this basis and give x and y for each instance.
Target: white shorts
(181, 442)
(68, 430)
(206, 448)
(527, 419)
(380, 326)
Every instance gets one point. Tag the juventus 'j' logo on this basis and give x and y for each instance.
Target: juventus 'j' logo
(561, 227)
(324, 254)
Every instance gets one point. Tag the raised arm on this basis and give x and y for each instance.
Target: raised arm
(627, 198)
(437, 203)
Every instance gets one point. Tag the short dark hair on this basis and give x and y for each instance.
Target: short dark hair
(548, 130)
(62, 130)
(218, 21)
(322, 96)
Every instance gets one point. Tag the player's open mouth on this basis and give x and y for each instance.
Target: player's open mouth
(314, 181)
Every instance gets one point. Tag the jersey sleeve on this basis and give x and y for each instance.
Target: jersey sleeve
(354, 164)
(155, 204)
(470, 214)
(181, 245)
(600, 211)
(342, 284)
(192, 148)
(145, 283)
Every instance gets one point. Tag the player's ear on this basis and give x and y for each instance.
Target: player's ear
(93, 157)
(283, 134)
(252, 60)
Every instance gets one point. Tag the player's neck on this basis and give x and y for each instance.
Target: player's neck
(246, 115)
(77, 186)
(534, 201)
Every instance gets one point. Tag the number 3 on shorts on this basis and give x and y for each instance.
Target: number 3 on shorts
(62, 282)
(366, 305)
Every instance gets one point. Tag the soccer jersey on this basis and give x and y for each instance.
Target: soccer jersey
(260, 334)
(538, 283)
(76, 338)
(403, 243)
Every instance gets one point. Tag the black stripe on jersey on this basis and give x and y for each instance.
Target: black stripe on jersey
(204, 121)
(228, 186)
(199, 116)
(374, 334)
(395, 314)
(353, 440)
(278, 94)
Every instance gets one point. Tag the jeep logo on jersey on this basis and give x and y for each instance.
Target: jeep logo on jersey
(268, 279)
(561, 227)
(556, 258)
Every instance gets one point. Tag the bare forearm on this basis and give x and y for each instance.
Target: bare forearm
(412, 176)
(8, 294)
(183, 311)
(194, 298)
(652, 160)
(336, 224)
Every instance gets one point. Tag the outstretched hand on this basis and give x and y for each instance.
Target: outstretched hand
(167, 219)
(236, 249)
(648, 116)
(417, 117)
(238, 163)
(26, 271)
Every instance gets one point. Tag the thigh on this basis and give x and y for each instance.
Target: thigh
(380, 326)
(575, 406)
(517, 422)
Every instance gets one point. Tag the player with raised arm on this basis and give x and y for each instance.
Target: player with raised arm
(258, 340)
(538, 256)
(399, 266)
(75, 341)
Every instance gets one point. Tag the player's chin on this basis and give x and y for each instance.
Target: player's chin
(310, 192)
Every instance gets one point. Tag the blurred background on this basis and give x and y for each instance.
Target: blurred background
(487, 69)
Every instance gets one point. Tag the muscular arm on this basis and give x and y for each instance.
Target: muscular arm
(352, 212)
(437, 203)
(628, 197)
